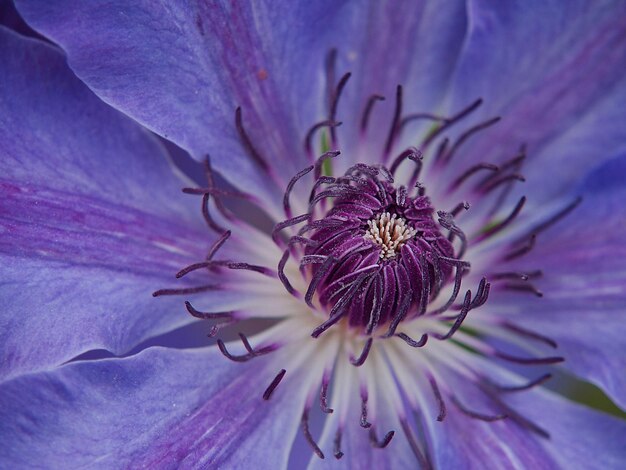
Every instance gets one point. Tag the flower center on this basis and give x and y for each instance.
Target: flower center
(389, 232)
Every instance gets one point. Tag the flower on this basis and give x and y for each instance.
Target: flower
(401, 279)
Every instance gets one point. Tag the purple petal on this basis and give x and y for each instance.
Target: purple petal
(555, 75)
(182, 70)
(92, 219)
(579, 437)
(162, 408)
(413, 44)
(584, 283)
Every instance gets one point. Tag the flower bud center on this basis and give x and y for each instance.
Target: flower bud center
(390, 232)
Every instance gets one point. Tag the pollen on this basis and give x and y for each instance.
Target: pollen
(390, 232)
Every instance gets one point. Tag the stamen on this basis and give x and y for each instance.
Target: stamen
(206, 315)
(364, 423)
(393, 130)
(338, 310)
(524, 249)
(308, 141)
(475, 415)
(459, 319)
(502, 225)
(503, 180)
(247, 142)
(317, 277)
(423, 462)
(530, 334)
(446, 220)
(469, 172)
(523, 288)
(337, 445)
(460, 266)
(335, 102)
(324, 395)
(411, 342)
(228, 264)
(272, 386)
(466, 135)
(408, 153)
(281, 273)
(217, 245)
(515, 416)
(528, 360)
(368, 109)
(439, 398)
(288, 223)
(380, 444)
(290, 185)
(251, 352)
(186, 290)
(207, 215)
(320, 161)
(452, 120)
(556, 217)
(307, 434)
(363, 357)
(390, 233)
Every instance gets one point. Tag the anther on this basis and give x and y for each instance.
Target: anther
(272, 386)
(368, 109)
(307, 434)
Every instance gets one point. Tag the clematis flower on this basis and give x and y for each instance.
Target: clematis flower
(445, 184)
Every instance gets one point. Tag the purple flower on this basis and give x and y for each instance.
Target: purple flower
(445, 182)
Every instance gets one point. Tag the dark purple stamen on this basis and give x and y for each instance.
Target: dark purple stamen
(272, 386)
(411, 342)
(217, 245)
(324, 395)
(503, 224)
(335, 102)
(515, 416)
(290, 185)
(385, 441)
(307, 434)
(393, 130)
(308, 141)
(251, 352)
(451, 121)
(523, 288)
(408, 153)
(476, 415)
(337, 445)
(207, 215)
(364, 423)
(524, 249)
(466, 135)
(368, 109)
(501, 181)
(247, 142)
(556, 217)
(186, 290)
(528, 360)
(442, 404)
(530, 334)
(358, 362)
(469, 172)
(206, 315)
(228, 264)
(288, 223)
(446, 220)
(420, 116)
(423, 461)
